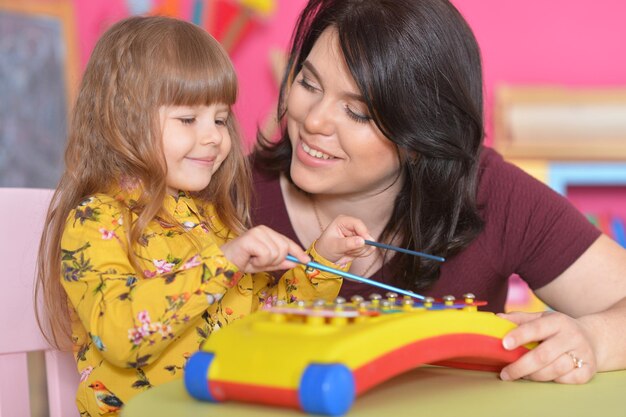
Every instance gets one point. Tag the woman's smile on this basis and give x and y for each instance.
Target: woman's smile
(315, 153)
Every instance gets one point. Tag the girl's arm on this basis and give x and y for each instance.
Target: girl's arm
(132, 316)
(259, 290)
(342, 240)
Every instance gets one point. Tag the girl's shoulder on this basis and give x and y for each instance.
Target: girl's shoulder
(209, 214)
(104, 200)
(100, 205)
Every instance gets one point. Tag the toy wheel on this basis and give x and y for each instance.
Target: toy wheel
(197, 376)
(326, 389)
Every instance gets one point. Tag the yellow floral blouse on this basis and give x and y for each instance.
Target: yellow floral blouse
(132, 329)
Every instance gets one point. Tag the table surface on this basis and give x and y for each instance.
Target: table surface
(425, 391)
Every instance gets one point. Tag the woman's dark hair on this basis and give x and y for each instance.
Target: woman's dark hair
(417, 64)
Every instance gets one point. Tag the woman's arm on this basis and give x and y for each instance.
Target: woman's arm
(589, 322)
(595, 282)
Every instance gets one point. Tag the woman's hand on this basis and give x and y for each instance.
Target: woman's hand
(565, 354)
(343, 240)
(262, 249)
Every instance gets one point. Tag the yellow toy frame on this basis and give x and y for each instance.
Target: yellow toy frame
(319, 356)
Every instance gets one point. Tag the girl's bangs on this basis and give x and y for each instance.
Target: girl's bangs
(203, 75)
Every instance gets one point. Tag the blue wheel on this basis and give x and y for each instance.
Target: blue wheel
(327, 389)
(197, 376)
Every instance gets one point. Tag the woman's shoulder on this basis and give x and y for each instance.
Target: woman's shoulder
(505, 187)
(498, 178)
(266, 185)
(537, 232)
(262, 176)
(268, 203)
(492, 164)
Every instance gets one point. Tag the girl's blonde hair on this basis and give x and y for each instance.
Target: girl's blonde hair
(137, 66)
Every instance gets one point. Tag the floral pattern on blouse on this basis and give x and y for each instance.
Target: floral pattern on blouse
(134, 329)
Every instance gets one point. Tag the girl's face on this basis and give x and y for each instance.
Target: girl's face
(337, 148)
(195, 142)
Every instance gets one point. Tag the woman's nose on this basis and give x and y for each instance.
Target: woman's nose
(319, 118)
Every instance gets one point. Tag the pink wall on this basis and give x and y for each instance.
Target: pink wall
(566, 42)
(258, 90)
(571, 42)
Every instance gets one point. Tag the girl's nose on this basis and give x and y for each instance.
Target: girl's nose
(319, 118)
(211, 135)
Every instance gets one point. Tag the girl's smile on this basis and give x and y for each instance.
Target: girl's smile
(207, 161)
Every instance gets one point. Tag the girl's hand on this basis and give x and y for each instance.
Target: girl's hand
(564, 355)
(262, 249)
(343, 240)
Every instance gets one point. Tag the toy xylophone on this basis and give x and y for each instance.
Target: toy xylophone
(318, 356)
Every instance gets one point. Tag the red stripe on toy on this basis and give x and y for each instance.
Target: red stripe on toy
(283, 397)
(467, 351)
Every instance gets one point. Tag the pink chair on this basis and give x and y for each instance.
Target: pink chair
(22, 215)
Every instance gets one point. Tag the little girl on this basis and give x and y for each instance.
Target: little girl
(147, 250)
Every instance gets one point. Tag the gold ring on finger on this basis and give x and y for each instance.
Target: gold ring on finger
(578, 363)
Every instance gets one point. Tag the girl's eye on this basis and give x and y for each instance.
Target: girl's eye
(187, 120)
(357, 117)
(306, 85)
(220, 122)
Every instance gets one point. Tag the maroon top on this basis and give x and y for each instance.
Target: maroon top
(529, 230)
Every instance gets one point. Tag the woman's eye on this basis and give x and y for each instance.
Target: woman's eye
(220, 122)
(307, 86)
(187, 120)
(357, 117)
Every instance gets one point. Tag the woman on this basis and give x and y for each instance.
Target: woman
(381, 109)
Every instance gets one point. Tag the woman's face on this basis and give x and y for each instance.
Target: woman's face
(337, 148)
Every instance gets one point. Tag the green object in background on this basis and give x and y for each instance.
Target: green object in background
(593, 219)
